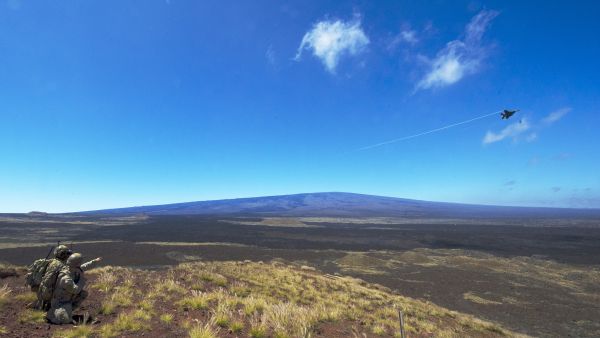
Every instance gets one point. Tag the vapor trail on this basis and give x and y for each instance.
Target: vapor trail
(426, 132)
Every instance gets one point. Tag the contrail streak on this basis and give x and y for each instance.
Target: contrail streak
(426, 132)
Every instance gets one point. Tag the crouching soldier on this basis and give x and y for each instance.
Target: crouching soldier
(42, 275)
(68, 293)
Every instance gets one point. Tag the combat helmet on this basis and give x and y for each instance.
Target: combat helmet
(62, 252)
(75, 260)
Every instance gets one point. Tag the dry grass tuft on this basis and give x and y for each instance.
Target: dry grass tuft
(29, 316)
(5, 292)
(81, 331)
(28, 297)
(258, 328)
(208, 330)
(126, 323)
(105, 281)
(470, 296)
(199, 301)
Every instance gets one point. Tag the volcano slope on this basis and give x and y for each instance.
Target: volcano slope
(237, 299)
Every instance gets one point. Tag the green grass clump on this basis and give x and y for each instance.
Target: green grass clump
(126, 322)
(203, 331)
(222, 320)
(198, 301)
(166, 318)
(379, 330)
(253, 305)
(82, 331)
(258, 332)
(236, 326)
(107, 308)
(198, 287)
(32, 316)
(28, 297)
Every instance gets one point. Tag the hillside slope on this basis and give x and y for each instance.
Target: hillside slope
(238, 299)
(342, 205)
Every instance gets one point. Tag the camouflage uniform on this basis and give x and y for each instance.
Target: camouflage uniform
(61, 254)
(69, 291)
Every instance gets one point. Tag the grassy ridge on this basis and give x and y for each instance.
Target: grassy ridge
(262, 300)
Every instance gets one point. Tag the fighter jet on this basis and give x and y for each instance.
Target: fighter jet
(508, 113)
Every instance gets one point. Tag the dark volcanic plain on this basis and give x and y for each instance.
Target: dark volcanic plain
(538, 276)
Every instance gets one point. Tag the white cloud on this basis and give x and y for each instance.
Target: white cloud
(459, 57)
(409, 36)
(556, 115)
(329, 40)
(511, 131)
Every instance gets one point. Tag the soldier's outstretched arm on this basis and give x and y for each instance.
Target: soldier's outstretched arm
(88, 265)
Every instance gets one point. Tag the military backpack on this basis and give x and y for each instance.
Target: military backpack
(48, 283)
(36, 272)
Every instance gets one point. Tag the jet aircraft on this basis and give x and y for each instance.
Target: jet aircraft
(506, 114)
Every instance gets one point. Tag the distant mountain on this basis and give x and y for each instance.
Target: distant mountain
(341, 204)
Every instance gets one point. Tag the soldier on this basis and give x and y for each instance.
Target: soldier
(67, 293)
(42, 275)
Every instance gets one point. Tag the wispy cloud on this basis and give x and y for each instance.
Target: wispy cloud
(556, 189)
(407, 36)
(460, 57)
(556, 115)
(512, 131)
(509, 183)
(329, 40)
(270, 55)
(515, 130)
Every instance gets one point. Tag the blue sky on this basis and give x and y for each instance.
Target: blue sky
(120, 103)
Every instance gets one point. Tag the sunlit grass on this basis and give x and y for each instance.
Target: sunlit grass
(197, 300)
(166, 318)
(260, 300)
(126, 322)
(81, 331)
(5, 292)
(29, 316)
(206, 330)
